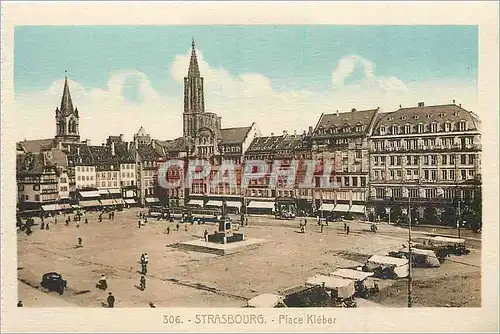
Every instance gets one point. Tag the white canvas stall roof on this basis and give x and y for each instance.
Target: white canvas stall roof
(115, 191)
(233, 204)
(331, 282)
(261, 205)
(64, 206)
(327, 207)
(108, 202)
(214, 203)
(344, 287)
(357, 208)
(341, 208)
(450, 240)
(264, 300)
(130, 201)
(196, 202)
(86, 204)
(103, 192)
(382, 259)
(152, 199)
(352, 274)
(88, 194)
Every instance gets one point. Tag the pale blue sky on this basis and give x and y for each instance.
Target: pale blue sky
(292, 57)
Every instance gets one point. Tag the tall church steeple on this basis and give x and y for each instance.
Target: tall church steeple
(194, 100)
(67, 118)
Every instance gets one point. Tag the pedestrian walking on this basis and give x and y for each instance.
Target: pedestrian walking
(345, 226)
(168, 229)
(347, 230)
(246, 221)
(185, 227)
(79, 241)
(77, 224)
(144, 269)
(42, 226)
(111, 300)
(100, 218)
(177, 226)
(142, 283)
(20, 303)
(86, 221)
(321, 227)
(205, 235)
(146, 259)
(47, 226)
(139, 224)
(55, 221)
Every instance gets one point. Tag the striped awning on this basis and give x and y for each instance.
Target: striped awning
(86, 204)
(119, 201)
(108, 202)
(327, 207)
(341, 208)
(196, 202)
(357, 208)
(214, 203)
(233, 204)
(89, 194)
(261, 205)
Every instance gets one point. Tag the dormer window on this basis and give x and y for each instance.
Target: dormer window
(434, 127)
(334, 130)
(407, 128)
(394, 130)
(346, 129)
(420, 128)
(382, 130)
(359, 128)
(448, 127)
(462, 126)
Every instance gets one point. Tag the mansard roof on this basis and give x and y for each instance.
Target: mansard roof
(234, 135)
(357, 122)
(37, 145)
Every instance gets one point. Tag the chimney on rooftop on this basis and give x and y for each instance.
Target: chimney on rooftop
(121, 137)
(310, 130)
(337, 112)
(113, 148)
(285, 132)
(272, 134)
(460, 105)
(421, 105)
(294, 132)
(453, 101)
(400, 106)
(353, 109)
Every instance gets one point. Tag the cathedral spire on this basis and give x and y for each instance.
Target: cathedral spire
(66, 102)
(193, 71)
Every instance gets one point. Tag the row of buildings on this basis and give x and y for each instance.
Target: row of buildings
(427, 158)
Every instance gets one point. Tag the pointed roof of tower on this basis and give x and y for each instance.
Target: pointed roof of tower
(193, 71)
(66, 102)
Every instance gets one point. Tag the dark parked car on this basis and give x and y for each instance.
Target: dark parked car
(53, 282)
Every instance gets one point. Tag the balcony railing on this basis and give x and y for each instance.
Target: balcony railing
(426, 148)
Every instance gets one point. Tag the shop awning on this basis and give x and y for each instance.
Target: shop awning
(130, 201)
(196, 202)
(64, 206)
(341, 208)
(214, 203)
(103, 192)
(261, 205)
(108, 202)
(86, 204)
(152, 199)
(357, 208)
(90, 194)
(74, 206)
(115, 191)
(49, 207)
(327, 207)
(233, 204)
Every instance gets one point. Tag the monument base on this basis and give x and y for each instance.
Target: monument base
(203, 246)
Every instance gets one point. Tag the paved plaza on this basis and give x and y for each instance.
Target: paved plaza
(182, 278)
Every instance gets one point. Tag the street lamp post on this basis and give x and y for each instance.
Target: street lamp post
(410, 292)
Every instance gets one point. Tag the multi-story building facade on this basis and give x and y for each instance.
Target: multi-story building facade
(427, 158)
(342, 140)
